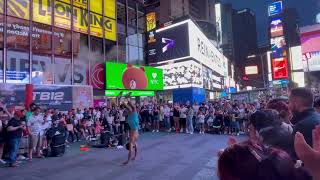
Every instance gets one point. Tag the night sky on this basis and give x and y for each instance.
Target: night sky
(307, 10)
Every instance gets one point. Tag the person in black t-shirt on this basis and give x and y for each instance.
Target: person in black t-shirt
(15, 129)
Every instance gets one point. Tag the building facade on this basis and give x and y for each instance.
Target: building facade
(66, 42)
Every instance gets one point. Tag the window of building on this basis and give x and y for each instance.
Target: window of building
(1, 47)
(18, 8)
(18, 65)
(62, 60)
(81, 59)
(42, 67)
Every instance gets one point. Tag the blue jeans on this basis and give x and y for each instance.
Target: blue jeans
(167, 122)
(190, 124)
(14, 148)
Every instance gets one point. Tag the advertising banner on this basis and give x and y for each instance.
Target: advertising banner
(310, 46)
(278, 47)
(280, 68)
(42, 13)
(82, 96)
(151, 21)
(126, 76)
(275, 8)
(251, 70)
(276, 27)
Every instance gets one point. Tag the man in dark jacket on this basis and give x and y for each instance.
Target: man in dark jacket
(305, 119)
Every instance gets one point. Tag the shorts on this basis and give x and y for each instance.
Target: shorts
(156, 119)
(183, 121)
(35, 141)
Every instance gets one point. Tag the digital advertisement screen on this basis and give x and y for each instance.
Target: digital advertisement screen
(126, 76)
(278, 47)
(151, 21)
(182, 74)
(280, 68)
(251, 70)
(276, 27)
(172, 43)
(310, 47)
(275, 8)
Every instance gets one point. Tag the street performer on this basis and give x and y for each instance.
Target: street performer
(133, 121)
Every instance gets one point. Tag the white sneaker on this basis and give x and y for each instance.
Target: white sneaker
(187, 132)
(153, 130)
(181, 130)
(2, 161)
(157, 131)
(170, 129)
(191, 133)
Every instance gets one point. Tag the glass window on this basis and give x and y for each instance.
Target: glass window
(42, 11)
(97, 63)
(42, 67)
(96, 6)
(17, 34)
(17, 70)
(133, 54)
(62, 61)
(81, 58)
(1, 48)
(80, 20)
(62, 15)
(132, 17)
(62, 42)
(1, 6)
(18, 8)
(122, 48)
(111, 51)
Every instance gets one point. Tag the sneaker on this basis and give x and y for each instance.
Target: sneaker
(2, 161)
(157, 131)
(153, 130)
(169, 129)
(191, 133)
(181, 130)
(20, 157)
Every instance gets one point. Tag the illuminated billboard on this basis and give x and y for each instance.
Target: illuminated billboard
(275, 8)
(126, 76)
(182, 75)
(276, 27)
(151, 21)
(63, 12)
(280, 68)
(251, 70)
(278, 47)
(310, 46)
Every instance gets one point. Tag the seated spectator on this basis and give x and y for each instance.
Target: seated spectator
(246, 161)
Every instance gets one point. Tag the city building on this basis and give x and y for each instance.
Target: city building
(54, 43)
(244, 39)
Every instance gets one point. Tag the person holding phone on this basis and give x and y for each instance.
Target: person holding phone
(133, 121)
(15, 129)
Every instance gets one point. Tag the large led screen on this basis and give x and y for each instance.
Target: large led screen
(275, 8)
(280, 68)
(182, 74)
(172, 43)
(276, 27)
(278, 47)
(126, 76)
(310, 45)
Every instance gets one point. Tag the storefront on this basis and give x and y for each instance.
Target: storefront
(193, 67)
(67, 42)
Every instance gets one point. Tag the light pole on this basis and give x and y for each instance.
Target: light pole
(262, 66)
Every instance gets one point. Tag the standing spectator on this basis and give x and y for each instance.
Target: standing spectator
(305, 119)
(156, 118)
(201, 118)
(167, 113)
(189, 120)
(183, 118)
(35, 124)
(176, 118)
(4, 119)
(15, 128)
(317, 105)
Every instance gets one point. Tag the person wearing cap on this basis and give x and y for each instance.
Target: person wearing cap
(15, 129)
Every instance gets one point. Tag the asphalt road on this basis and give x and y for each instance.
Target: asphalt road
(161, 156)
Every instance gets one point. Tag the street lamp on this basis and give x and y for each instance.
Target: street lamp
(262, 64)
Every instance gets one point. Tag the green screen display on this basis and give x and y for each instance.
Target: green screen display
(126, 76)
(134, 93)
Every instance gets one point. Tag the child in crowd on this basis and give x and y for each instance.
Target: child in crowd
(201, 118)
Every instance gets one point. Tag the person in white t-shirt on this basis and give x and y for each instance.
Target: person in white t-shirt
(183, 118)
(166, 115)
(35, 124)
